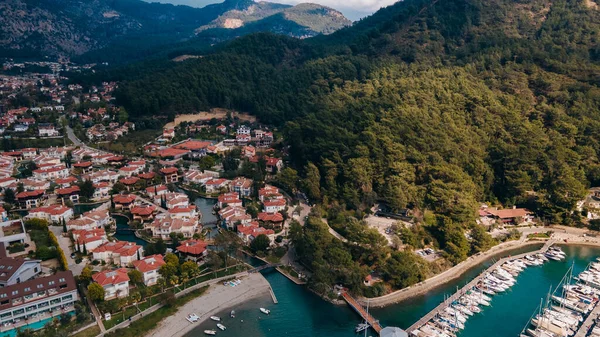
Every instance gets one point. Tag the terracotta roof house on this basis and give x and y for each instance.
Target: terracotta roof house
(510, 216)
(120, 253)
(115, 283)
(143, 213)
(70, 193)
(91, 239)
(52, 213)
(124, 200)
(230, 198)
(171, 174)
(149, 267)
(193, 250)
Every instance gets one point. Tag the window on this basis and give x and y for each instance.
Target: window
(35, 269)
(61, 280)
(31, 308)
(4, 302)
(51, 283)
(3, 295)
(5, 315)
(15, 292)
(40, 286)
(27, 289)
(18, 312)
(67, 298)
(9, 268)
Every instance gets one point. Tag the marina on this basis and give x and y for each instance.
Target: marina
(450, 318)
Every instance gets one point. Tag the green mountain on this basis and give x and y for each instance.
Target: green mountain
(125, 30)
(435, 105)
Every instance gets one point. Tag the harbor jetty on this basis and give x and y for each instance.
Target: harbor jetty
(470, 285)
(362, 312)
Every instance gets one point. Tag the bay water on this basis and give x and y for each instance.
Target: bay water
(301, 313)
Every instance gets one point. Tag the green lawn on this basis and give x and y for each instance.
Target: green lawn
(150, 321)
(89, 332)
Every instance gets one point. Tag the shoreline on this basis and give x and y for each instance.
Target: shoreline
(446, 276)
(218, 297)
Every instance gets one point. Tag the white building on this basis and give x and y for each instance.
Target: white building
(13, 271)
(149, 267)
(114, 282)
(52, 213)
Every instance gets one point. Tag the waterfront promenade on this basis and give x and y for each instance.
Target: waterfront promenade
(469, 286)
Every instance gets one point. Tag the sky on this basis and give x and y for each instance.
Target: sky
(352, 9)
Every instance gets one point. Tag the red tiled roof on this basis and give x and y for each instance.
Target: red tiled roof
(52, 209)
(272, 217)
(123, 248)
(275, 202)
(83, 164)
(129, 181)
(111, 277)
(124, 199)
(115, 158)
(147, 175)
(67, 180)
(509, 213)
(128, 168)
(67, 190)
(182, 209)
(170, 152)
(28, 194)
(152, 262)
(194, 247)
(168, 170)
(143, 210)
(156, 188)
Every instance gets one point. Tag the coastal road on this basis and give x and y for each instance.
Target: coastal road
(65, 243)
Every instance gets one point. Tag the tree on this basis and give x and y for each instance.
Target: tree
(172, 259)
(480, 239)
(9, 196)
(229, 243)
(64, 225)
(260, 243)
(122, 116)
(312, 182)
(288, 179)
(65, 318)
(167, 271)
(86, 274)
(230, 163)
(84, 250)
(214, 261)
(136, 277)
(157, 247)
(96, 292)
(87, 189)
(189, 269)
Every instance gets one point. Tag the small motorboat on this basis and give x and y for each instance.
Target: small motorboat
(192, 318)
(232, 314)
(221, 326)
(265, 311)
(361, 327)
(210, 332)
(215, 318)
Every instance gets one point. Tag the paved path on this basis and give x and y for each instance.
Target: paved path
(588, 323)
(73, 138)
(96, 313)
(65, 243)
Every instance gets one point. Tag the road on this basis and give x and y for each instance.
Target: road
(65, 244)
(72, 137)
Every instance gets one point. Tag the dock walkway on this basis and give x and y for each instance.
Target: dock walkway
(588, 324)
(470, 286)
(362, 312)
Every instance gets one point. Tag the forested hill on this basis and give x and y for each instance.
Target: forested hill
(119, 31)
(434, 104)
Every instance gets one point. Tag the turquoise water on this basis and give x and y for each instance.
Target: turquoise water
(301, 313)
(123, 222)
(82, 208)
(34, 326)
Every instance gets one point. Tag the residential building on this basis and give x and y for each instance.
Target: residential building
(170, 174)
(143, 213)
(30, 199)
(229, 199)
(149, 267)
(115, 283)
(70, 193)
(13, 271)
(122, 201)
(38, 298)
(165, 224)
(250, 231)
(11, 232)
(90, 239)
(216, 185)
(242, 186)
(51, 172)
(274, 205)
(193, 250)
(52, 213)
(97, 218)
(121, 253)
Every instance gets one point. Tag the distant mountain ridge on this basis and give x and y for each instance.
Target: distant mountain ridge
(67, 28)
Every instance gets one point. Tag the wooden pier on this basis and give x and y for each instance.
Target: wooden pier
(440, 308)
(362, 312)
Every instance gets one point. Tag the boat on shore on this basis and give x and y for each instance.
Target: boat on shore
(215, 318)
(192, 318)
(265, 311)
(210, 332)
